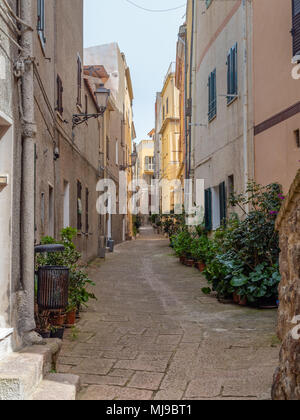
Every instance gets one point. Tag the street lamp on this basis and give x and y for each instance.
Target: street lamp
(133, 156)
(102, 95)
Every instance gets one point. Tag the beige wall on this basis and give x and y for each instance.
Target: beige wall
(79, 148)
(219, 144)
(10, 166)
(276, 154)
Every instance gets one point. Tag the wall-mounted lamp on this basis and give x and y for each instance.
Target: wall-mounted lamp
(102, 94)
(133, 156)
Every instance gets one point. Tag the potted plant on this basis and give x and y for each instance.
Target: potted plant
(71, 311)
(198, 250)
(57, 332)
(58, 319)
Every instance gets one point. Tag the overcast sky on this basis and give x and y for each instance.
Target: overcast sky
(148, 41)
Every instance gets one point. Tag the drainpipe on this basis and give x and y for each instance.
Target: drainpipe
(27, 322)
(191, 88)
(245, 93)
(184, 43)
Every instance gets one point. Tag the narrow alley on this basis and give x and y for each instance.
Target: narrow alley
(153, 334)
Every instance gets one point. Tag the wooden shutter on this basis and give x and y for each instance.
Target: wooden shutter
(79, 80)
(223, 203)
(79, 211)
(296, 27)
(41, 18)
(87, 227)
(212, 95)
(208, 210)
(60, 90)
(232, 74)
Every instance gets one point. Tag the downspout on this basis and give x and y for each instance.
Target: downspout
(184, 43)
(191, 88)
(245, 94)
(27, 322)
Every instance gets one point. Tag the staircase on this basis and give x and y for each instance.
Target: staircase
(28, 375)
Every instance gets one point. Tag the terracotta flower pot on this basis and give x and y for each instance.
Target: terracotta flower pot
(236, 298)
(182, 260)
(201, 266)
(243, 301)
(58, 320)
(71, 318)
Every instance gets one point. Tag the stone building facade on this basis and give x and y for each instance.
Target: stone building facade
(287, 377)
(67, 157)
(10, 190)
(119, 129)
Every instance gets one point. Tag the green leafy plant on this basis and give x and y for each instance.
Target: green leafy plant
(79, 281)
(242, 257)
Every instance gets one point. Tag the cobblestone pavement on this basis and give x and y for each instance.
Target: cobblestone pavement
(153, 334)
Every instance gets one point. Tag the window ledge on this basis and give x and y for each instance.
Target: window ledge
(232, 101)
(5, 332)
(212, 119)
(42, 43)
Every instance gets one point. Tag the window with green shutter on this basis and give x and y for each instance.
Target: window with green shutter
(41, 20)
(208, 210)
(232, 73)
(223, 203)
(212, 95)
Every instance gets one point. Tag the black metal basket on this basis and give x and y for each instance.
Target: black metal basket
(53, 288)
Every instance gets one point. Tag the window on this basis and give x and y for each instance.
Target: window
(59, 106)
(51, 212)
(43, 211)
(41, 20)
(232, 74)
(231, 185)
(223, 203)
(297, 138)
(212, 95)
(208, 210)
(66, 204)
(149, 163)
(79, 206)
(296, 27)
(117, 152)
(79, 80)
(107, 147)
(87, 227)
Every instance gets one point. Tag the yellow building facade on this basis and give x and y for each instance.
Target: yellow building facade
(170, 129)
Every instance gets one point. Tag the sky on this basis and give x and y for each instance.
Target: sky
(148, 40)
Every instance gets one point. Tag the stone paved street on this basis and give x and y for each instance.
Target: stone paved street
(153, 334)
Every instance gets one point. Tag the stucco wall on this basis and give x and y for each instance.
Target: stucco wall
(10, 156)
(274, 91)
(218, 145)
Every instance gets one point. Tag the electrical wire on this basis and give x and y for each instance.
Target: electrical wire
(155, 10)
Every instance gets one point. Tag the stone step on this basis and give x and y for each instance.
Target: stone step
(57, 387)
(21, 373)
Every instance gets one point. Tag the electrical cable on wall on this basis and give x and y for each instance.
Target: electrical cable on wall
(155, 10)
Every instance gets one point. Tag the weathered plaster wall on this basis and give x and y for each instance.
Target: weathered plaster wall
(218, 145)
(10, 155)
